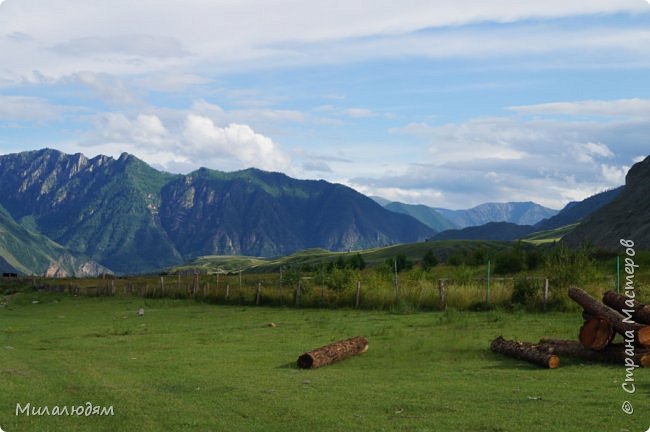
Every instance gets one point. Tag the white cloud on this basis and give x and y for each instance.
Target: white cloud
(186, 140)
(123, 37)
(622, 107)
(614, 175)
(359, 112)
(514, 158)
(203, 138)
(27, 108)
(107, 87)
(585, 153)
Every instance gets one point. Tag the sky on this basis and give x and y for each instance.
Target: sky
(444, 103)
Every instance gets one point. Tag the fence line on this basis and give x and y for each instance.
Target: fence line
(365, 293)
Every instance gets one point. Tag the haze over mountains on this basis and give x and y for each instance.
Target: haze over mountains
(440, 219)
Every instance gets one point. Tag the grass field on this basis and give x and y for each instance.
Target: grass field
(189, 366)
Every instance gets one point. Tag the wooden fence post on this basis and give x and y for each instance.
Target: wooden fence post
(358, 294)
(257, 295)
(162, 286)
(442, 303)
(227, 291)
(545, 292)
(298, 294)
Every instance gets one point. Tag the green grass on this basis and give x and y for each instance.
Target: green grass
(188, 366)
(316, 257)
(549, 236)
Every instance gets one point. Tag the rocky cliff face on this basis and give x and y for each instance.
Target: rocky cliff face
(69, 266)
(130, 217)
(625, 217)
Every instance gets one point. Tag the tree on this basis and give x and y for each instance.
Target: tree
(429, 260)
(357, 262)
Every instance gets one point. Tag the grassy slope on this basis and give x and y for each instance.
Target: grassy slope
(188, 366)
(314, 257)
(549, 236)
(26, 251)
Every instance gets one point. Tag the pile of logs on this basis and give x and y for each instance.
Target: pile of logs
(616, 314)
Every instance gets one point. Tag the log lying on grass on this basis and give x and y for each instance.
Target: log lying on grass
(640, 313)
(596, 333)
(332, 353)
(536, 354)
(619, 323)
(614, 353)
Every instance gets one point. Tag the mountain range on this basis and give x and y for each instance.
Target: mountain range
(129, 217)
(441, 219)
(68, 215)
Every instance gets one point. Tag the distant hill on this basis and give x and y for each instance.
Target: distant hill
(130, 217)
(627, 216)
(520, 213)
(575, 212)
(426, 215)
(503, 231)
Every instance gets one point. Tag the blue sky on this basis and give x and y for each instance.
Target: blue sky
(449, 104)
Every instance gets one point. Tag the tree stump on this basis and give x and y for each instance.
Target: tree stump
(332, 353)
(532, 353)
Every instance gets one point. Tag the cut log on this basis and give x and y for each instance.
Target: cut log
(614, 353)
(621, 325)
(527, 351)
(332, 353)
(640, 313)
(596, 333)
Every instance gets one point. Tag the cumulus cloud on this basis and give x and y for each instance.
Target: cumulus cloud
(186, 142)
(203, 138)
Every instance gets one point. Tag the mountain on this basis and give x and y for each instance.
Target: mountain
(504, 231)
(104, 208)
(253, 212)
(424, 214)
(129, 217)
(626, 217)
(27, 252)
(574, 211)
(520, 213)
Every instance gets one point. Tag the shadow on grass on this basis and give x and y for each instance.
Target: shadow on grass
(290, 365)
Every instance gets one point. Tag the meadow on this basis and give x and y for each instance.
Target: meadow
(195, 366)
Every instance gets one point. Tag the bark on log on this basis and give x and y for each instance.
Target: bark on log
(640, 312)
(527, 351)
(614, 353)
(619, 323)
(596, 333)
(334, 352)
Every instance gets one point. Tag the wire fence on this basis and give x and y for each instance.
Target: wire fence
(365, 291)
